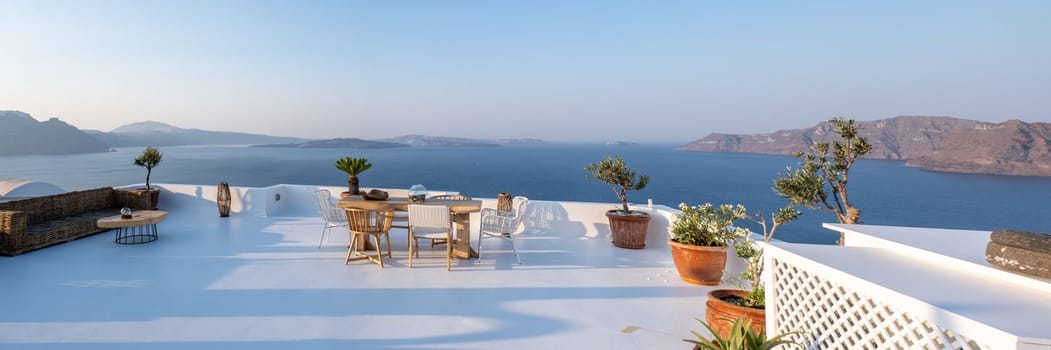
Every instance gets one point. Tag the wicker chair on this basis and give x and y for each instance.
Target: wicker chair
(364, 223)
(38, 222)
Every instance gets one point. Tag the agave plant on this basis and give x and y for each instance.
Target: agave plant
(741, 337)
(353, 166)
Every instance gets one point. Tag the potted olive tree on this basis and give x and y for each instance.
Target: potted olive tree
(149, 159)
(819, 182)
(353, 167)
(748, 302)
(627, 227)
(701, 236)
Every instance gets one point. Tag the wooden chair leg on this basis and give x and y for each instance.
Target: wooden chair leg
(390, 253)
(350, 250)
(379, 250)
(416, 244)
(409, 237)
(411, 251)
(448, 252)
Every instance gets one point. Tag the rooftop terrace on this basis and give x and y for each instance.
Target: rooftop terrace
(258, 280)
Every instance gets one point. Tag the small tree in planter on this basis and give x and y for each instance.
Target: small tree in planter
(752, 254)
(627, 227)
(149, 159)
(821, 181)
(749, 302)
(353, 167)
(700, 237)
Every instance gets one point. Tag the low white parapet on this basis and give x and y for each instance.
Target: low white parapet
(893, 288)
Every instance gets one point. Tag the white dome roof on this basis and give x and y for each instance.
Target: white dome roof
(26, 188)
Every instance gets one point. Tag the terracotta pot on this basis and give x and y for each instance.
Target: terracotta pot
(721, 314)
(697, 264)
(628, 231)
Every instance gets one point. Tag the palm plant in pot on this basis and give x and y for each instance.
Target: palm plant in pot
(627, 227)
(353, 167)
(701, 236)
(149, 159)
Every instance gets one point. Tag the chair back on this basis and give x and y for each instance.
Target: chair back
(323, 198)
(520, 203)
(456, 197)
(369, 221)
(329, 212)
(436, 216)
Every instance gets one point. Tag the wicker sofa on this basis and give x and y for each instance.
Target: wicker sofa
(34, 223)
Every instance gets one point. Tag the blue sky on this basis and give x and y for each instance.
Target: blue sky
(647, 71)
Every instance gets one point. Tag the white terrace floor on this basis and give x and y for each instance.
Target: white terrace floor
(258, 282)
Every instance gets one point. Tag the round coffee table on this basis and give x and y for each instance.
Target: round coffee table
(140, 228)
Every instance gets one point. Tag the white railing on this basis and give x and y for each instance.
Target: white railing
(834, 313)
(888, 297)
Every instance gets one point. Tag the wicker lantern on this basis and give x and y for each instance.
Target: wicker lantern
(222, 199)
(503, 202)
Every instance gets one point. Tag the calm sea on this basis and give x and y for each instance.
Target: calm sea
(887, 192)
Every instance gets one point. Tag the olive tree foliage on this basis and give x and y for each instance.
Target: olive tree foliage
(149, 159)
(821, 180)
(820, 183)
(752, 254)
(614, 172)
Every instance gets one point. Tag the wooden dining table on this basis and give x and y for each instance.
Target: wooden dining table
(461, 214)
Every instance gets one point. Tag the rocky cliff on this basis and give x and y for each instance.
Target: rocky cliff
(1013, 147)
(931, 143)
(20, 134)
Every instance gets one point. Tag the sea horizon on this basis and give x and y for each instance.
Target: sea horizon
(555, 172)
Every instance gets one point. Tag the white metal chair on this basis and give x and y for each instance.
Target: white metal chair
(430, 222)
(455, 197)
(365, 223)
(502, 224)
(333, 216)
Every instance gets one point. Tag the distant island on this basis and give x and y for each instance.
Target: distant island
(21, 134)
(338, 143)
(438, 141)
(404, 141)
(948, 144)
(944, 144)
(151, 133)
(620, 144)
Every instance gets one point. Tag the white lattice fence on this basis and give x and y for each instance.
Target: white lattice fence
(836, 317)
